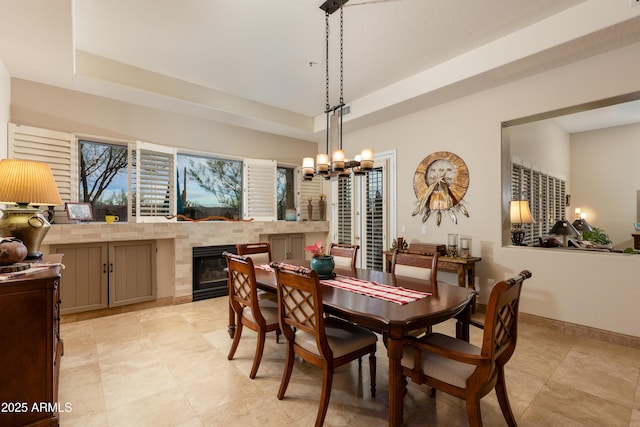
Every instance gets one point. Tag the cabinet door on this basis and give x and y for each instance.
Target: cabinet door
(85, 281)
(296, 246)
(279, 247)
(132, 272)
(287, 246)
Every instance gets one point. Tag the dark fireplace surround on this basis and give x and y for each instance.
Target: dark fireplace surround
(209, 275)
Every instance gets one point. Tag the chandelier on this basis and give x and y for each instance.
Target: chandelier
(340, 166)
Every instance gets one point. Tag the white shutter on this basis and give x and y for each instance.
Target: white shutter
(546, 195)
(259, 195)
(153, 180)
(308, 190)
(57, 149)
(344, 226)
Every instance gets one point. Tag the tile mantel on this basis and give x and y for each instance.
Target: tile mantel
(184, 235)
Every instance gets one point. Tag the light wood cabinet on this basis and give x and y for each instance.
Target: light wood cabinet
(132, 272)
(31, 348)
(102, 275)
(287, 246)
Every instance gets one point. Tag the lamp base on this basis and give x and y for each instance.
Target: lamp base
(517, 236)
(27, 224)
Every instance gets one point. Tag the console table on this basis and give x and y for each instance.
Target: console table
(465, 268)
(31, 347)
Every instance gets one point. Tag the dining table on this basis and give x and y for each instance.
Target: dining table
(391, 319)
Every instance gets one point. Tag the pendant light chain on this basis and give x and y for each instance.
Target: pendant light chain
(326, 68)
(341, 59)
(326, 59)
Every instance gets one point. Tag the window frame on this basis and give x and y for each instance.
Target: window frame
(61, 151)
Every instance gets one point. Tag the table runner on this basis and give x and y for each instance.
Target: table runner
(395, 294)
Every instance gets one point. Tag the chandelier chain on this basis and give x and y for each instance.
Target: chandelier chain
(341, 60)
(326, 59)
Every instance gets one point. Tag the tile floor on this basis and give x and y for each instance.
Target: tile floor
(168, 366)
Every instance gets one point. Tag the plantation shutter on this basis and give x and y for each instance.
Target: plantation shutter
(344, 211)
(375, 219)
(546, 195)
(308, 190)
(259, 192)
(152, 176)
(57, 149)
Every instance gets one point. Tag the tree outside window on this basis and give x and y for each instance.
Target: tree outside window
(285, 190)
(103, 178)
(209, 187)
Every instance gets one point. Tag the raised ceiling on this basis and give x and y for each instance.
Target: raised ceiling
(260, 64)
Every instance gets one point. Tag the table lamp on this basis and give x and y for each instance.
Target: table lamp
(581, 225)
(564, 229)
(520, 214)
(25, 185)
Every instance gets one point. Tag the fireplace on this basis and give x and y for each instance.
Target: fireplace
(209, 276)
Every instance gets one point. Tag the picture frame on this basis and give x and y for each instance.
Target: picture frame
(79, 211)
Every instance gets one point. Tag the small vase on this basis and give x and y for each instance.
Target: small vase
(322, 205)
(323, 265)
(12, 250)
(310, 211)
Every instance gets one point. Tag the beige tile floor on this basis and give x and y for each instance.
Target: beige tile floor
(167, 366)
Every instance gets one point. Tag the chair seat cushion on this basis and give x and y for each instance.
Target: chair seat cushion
(442, 368)
(343, 337)
(268, 308)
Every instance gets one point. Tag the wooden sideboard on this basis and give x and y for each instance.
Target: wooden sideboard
(465, 268)
(31, 347)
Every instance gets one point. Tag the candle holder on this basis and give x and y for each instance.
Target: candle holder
(452, 248)
(465, 247)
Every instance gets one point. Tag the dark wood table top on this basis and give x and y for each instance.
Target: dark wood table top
(445, 302)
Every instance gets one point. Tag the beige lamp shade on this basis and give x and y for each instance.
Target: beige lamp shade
(520, 212)
(27, 182)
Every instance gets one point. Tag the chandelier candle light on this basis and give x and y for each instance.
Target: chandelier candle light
(340, 165)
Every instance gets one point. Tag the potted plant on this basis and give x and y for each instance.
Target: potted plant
(597, 236)
(320, 262)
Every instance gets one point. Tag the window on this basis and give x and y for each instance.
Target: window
(141, 181)
(209, 186)
(286, 199)
(103, 178)
(546, 195)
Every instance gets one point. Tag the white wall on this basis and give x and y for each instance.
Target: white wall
(50, 107)
(5, 101)
(596, 290)
(544, 145)
(604, 170)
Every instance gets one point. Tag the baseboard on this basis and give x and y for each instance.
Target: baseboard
(576, 330)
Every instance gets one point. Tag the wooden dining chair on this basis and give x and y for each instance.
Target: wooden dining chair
(466, 371)
(415, 265)
(344, 255)
(260, 315)
(259, 252)
(324, 342)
